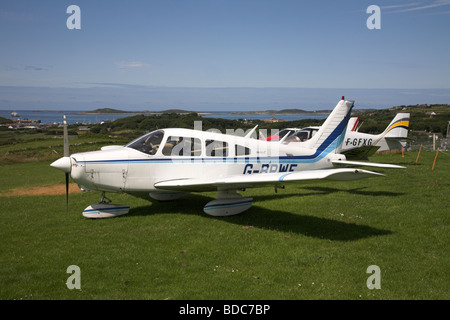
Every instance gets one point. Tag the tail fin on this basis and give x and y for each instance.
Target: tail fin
(332, 132)
(353, 124)
(398, 128)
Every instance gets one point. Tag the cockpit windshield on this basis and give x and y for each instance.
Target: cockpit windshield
(298, 136)
(148, 143)
(284, 132)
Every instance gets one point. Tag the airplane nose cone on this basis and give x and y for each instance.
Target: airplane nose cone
(63, 164)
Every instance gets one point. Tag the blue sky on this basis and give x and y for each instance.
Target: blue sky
(221, 53)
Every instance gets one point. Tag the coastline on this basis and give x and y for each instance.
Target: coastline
(119, 113)
(281, 112)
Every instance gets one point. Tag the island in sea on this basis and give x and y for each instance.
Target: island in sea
(284, 111)
(146, 112)
(180, 111)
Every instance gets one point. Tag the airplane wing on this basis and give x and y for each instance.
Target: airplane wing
(261, 180)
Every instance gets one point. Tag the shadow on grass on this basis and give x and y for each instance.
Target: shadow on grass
(317, 191)
(355, 191)
(263, 218)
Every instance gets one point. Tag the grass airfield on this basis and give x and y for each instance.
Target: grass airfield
(307, 241)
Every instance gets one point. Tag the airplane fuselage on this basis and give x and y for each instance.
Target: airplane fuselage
(203, 155)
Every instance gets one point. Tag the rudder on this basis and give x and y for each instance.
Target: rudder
(398, 128)
(332, 132)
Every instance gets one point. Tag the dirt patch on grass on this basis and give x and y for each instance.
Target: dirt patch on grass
(41, 190)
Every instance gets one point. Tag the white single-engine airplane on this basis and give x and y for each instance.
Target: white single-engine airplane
(167, 164)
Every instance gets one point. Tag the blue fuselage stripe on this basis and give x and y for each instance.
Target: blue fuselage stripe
(106, 209)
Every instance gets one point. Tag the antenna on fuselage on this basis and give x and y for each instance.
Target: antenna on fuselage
(248, 135)
(285, 136)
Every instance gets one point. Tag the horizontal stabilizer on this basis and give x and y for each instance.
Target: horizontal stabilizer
(360, 153)
(400, 139)
(367, 164)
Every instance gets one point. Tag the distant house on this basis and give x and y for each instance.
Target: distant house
(273, 119)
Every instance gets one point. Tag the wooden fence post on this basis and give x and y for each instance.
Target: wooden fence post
(417, 159)
(434, 162)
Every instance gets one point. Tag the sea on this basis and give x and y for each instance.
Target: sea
(75, 117)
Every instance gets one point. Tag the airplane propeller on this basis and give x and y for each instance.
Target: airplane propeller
(65, 163)
(66, 154)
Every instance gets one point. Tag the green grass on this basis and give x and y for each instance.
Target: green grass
(25, 147)
(308, 241)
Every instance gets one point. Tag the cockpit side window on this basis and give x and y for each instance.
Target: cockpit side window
(182, 146)
(148, 143)
(241, 150)
(216, 148)
(303, 135)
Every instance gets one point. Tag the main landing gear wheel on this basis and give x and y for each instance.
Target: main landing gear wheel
(227, 203)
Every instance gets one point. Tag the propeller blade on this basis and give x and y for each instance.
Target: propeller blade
(67, 192)
(66, 154)
(66, 138)
(65, 163)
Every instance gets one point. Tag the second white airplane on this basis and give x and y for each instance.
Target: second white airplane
(167, 164)
(360, 145)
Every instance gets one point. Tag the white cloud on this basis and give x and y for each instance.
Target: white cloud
(132, 64)
(416, 6)
(396, 6)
